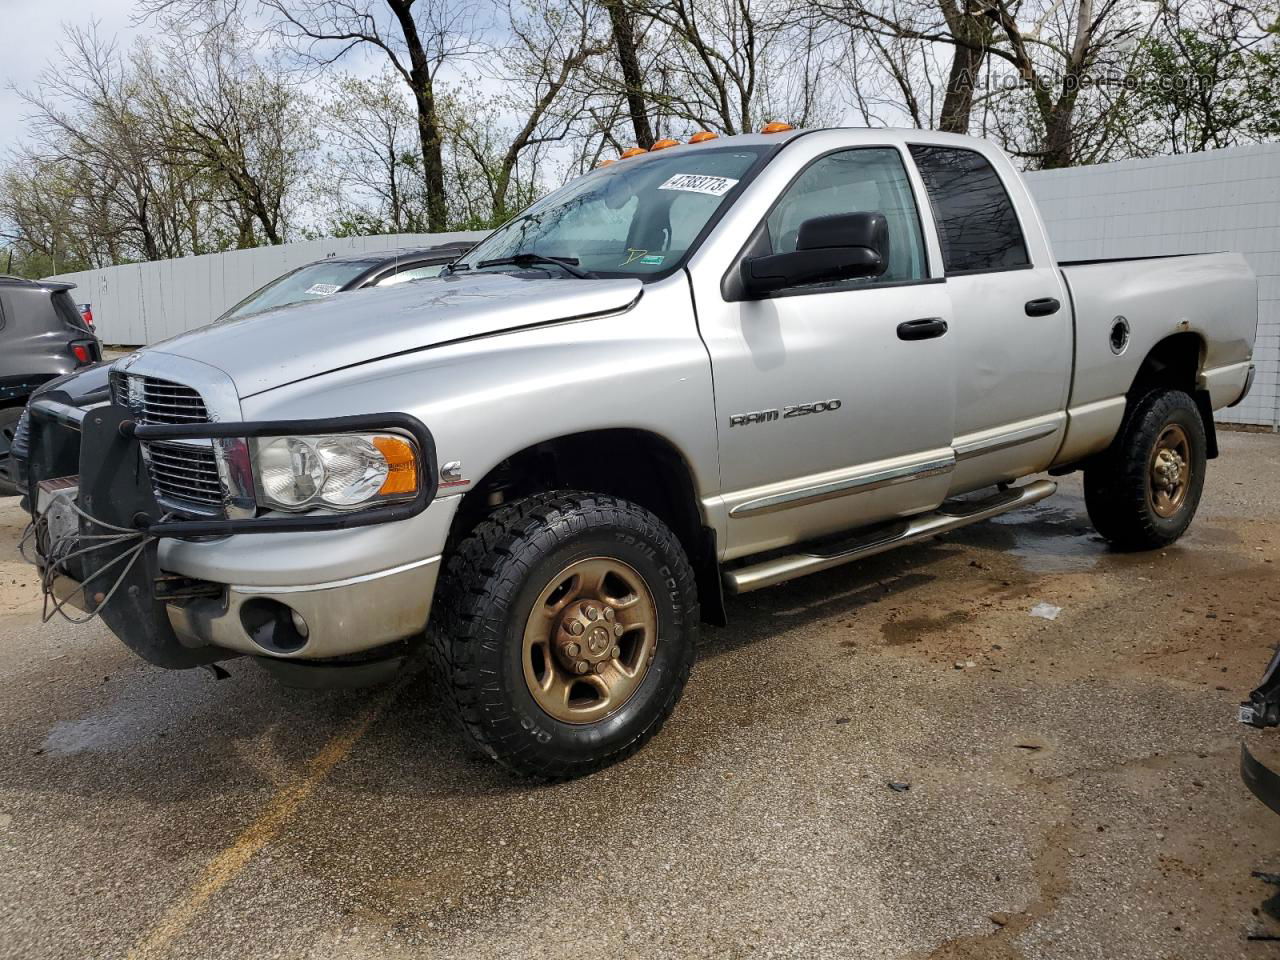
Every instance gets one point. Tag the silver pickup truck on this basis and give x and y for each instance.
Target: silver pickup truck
(701, 370)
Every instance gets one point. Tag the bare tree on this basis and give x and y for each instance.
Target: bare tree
(626, 44)
(373, 171)
(88, 120)
(416, 38)
(216, 107)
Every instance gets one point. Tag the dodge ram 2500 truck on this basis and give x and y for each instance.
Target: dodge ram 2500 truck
(697, 371)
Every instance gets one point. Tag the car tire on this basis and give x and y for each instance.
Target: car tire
(1143, 492)
(9, 417)
(564, 632)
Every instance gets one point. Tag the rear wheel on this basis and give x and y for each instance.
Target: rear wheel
(1143, 492)
(8, 429)
(565, 632)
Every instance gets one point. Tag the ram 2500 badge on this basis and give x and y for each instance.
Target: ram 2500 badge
(697, 371)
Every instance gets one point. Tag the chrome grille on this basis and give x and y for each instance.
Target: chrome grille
(185, 472)
(162, 401)
(21, 437)
(181, 472)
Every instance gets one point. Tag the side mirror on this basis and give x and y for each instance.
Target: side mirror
(842, 246)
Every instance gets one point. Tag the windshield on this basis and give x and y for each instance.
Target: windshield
(311, 282)
(630, 218)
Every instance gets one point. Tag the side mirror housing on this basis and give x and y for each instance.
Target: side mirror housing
(842, 246)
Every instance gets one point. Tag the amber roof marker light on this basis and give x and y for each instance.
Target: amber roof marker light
(633, 152)
(664, 144)
(776, 126)
(702, 136)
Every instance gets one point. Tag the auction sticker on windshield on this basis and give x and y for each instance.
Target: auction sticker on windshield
(700, 183)
(323, 289)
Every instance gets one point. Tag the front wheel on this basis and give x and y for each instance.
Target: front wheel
(1143, 492)
(566, 632)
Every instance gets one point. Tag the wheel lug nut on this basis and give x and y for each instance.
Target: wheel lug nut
(608, 613)
(572, 650)
(575, 627)
(591, 612)
(617, 629)
(582, 666)
(616, 652)
(601, 665)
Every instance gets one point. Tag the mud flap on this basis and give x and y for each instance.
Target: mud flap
(115, 488)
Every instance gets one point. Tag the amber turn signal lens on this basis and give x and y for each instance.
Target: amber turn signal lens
(777, 126)
(402, 465)
(664, 143)
(605, 163)
(702, 136)
(633, 152)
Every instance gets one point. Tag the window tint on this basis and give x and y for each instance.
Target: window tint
(67, 310)
(412, 273)
(977, 225)
(869, 180)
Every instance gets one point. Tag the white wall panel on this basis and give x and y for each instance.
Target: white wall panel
(139, 303)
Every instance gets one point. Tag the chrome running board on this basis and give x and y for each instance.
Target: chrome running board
(951, 515)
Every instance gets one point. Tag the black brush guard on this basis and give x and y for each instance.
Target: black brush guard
(115, 487)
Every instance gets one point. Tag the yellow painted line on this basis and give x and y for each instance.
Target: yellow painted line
(227, 865)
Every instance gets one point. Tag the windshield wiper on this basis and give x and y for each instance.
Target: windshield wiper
(568, 264)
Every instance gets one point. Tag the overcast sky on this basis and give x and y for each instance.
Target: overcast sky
(29, 35)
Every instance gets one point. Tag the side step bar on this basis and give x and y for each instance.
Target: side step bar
(951, 515)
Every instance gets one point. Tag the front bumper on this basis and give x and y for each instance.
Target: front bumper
(342, 617)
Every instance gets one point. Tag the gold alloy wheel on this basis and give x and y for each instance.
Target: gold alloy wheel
(1170, 471)
(589, 640)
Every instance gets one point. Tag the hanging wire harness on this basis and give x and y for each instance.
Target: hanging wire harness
(55, 551)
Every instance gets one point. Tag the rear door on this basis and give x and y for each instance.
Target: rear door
(829, 415)
(1012, 334)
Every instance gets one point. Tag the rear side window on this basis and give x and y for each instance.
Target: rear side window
(412, 273)
(977, 225)
(67, 311)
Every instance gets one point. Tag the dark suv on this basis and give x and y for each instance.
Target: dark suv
(42, 336)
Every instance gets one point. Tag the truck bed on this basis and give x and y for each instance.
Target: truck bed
(1124, 307)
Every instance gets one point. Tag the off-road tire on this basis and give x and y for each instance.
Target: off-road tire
(8, 427)
(490, 582)
(1118, 483)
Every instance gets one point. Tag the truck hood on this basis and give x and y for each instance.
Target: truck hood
(271, 349)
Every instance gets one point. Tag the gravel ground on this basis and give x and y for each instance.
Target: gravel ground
(1073, 793)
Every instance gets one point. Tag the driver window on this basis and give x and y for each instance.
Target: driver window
(870, 180)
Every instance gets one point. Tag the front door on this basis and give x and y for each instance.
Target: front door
(833, 401)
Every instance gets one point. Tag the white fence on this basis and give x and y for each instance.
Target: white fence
(139, 303)
(1198, 203)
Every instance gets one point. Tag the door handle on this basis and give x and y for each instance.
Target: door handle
(923, 329)
(1044, 307)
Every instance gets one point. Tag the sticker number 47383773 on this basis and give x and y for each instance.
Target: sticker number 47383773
(699, 183)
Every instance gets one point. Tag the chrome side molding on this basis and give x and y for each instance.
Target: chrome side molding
(844, 487)
(976, 448)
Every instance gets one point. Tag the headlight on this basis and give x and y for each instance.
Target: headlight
(341, 472)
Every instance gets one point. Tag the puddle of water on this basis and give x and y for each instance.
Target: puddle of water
(130, 722)
(1045, 539)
